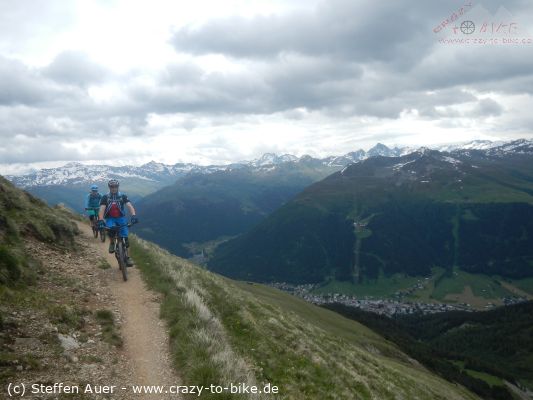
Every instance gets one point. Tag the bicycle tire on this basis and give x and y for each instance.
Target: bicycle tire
(94, 228)
(121, 256)
(102, 235)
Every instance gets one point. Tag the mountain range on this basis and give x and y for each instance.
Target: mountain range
(466, 210)
(200, 208)
(69, 184)
(75, 173)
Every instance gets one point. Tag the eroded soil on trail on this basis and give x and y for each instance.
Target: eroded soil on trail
(81, 324)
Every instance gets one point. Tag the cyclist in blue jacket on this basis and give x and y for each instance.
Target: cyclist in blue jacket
(92, 203)
(112, 209)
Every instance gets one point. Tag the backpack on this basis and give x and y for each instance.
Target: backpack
(94, 200)
(115, 205)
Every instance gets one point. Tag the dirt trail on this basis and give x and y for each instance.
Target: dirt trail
(144, 334)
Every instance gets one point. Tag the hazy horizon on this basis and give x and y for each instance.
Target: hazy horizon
(24, 169)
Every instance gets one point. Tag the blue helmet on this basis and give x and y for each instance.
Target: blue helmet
(94, 188)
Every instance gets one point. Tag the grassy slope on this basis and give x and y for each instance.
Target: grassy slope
(21, 214)
(229, 331)
(382, 287)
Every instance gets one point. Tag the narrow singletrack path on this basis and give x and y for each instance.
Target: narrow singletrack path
(146, 341)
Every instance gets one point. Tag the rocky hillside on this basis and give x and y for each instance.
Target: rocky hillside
(23, 216)
(59, 321)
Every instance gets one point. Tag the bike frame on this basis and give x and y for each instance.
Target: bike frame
(121, 251)
(94, 220)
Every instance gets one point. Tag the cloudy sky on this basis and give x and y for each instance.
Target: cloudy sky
(214, 81)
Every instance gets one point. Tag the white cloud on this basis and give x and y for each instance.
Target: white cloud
(218, 81)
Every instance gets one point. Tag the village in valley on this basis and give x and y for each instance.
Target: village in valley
(396, 305)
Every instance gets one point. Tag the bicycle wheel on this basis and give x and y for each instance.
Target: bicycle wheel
(102, 235)
(121, 256)
(94, 228)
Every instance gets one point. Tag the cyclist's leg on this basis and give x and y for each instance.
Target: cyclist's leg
(124, 234)
(124, 228)
(91, 218)
(110, 223)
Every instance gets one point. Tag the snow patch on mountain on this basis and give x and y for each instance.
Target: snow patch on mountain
(76, 173)
(451, 160)
(399, 166)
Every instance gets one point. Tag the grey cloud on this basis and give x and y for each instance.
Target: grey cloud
(19, 150)
(262, 88)
(294, 114)
(181, 74)
(387, 53)
(20, 85)
(488, 108)
(313, 83)
(72, 117)
(37, 151)
(73, 67)
(399, 32)
(347, 29)
(483, 66)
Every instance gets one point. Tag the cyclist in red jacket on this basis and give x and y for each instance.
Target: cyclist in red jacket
(112, 209)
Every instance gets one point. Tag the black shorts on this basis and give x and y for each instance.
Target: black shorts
(91, 217)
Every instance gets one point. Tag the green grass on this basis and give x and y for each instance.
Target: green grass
(110, 333)
(524, 284)
(208, 247)
(9, 361)
(22, 215)
(482, 286)
(230, 331)
(476, 189)
(322, 318)
(66, 317)
(382, 287)
(103, 264)
(488, 378)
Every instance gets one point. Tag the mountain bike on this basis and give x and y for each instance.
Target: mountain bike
(94, 221)
(121, 251)
(94, 224)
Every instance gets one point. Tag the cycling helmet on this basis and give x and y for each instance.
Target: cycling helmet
(112, 182)
(94, 188)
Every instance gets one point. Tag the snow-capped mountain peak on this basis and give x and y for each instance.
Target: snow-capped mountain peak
(76, 173)
(272, 159)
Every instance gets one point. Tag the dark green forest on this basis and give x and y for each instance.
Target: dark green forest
(418, 212)
(455, 344)
(204, 207)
